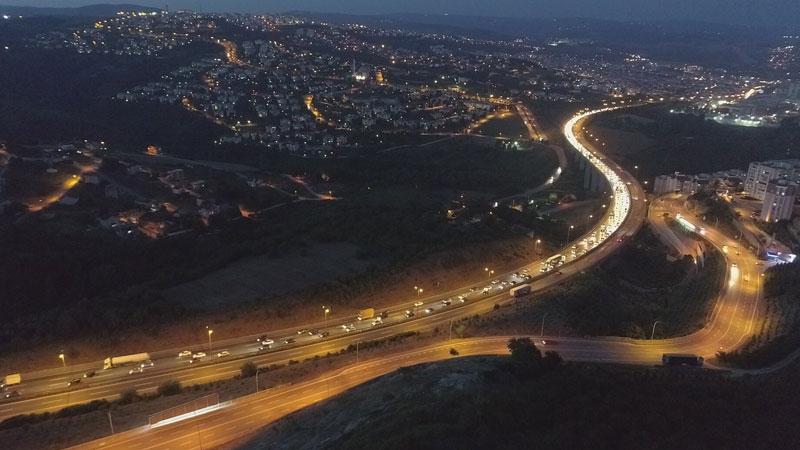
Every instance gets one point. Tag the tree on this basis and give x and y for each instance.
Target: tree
(170, 387)
(524, 352)
(552, 359)
(248, 370)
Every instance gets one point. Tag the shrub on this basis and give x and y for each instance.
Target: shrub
(171, 387)
(248, 370)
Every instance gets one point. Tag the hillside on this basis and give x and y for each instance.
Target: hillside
(480, 403)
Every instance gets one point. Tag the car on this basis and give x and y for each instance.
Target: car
(223, 353)
(303, 331)
(12, 393)
(289, 341)
(185, 353)
(462, 299)
(409, 313)
(428, 310)
(89, 374)
(446, 302)
(137, 369)
(495, 281)
(377, 322)
(74, 382)
(263, 347)
(199, 355)
(472, 289)
(417, 304)
(267, 342)
(312, 332)
(323, 334)
(148, 363)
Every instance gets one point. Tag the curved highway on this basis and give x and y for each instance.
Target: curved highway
(732, 320)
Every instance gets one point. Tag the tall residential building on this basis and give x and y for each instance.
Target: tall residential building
(759, 174)
(779, 201)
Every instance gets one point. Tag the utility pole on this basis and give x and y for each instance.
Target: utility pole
(110, 422)
(542, 332)
(357, 342)
(451, 330)
(257, 370)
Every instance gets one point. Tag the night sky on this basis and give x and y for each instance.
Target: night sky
(756, 12)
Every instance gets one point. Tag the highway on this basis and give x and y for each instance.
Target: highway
(732, 321)
(48, 390)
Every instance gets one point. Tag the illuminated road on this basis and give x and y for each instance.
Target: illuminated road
(730, 323)
(48, 391)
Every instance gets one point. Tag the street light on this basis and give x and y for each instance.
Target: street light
(326, 310)
(569, 231)
(210, 332)
(538, 242)
(61, 357)
(653, 333)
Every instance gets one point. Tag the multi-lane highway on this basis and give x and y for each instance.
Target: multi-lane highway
(48, 390)
(732, 320)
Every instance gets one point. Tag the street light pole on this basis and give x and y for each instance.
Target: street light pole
(653, 333)
(569, 231)
(326, 310)
(62, 358)
(210, 332)
(110, 422)
(257, 370)
(541, 333)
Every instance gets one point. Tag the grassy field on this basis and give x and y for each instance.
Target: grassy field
(263, 276)
(660, 142)
(623, 297)
(508, 126)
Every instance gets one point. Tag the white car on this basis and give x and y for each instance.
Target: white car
(184, 353)
(428, 310)
(417, 304)
(137, 369)
(148, 363)
(223, 353)
(199, 355)
(267, 342)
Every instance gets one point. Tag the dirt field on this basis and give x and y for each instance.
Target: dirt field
(266, 277)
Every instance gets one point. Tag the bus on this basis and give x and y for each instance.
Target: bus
(679, 359)
(554, 261)
(521, 290)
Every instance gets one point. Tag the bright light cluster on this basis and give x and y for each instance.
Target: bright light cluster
(621, 195)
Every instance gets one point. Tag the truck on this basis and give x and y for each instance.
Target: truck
(116, 361)
(521, 290)
(680, 359)
(366, 313)
(11, 380)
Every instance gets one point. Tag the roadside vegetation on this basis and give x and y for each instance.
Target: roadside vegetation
(778, 335)
(624, 296)
(483, 402)
(660, 142)
(393, 210)
(82, 423)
